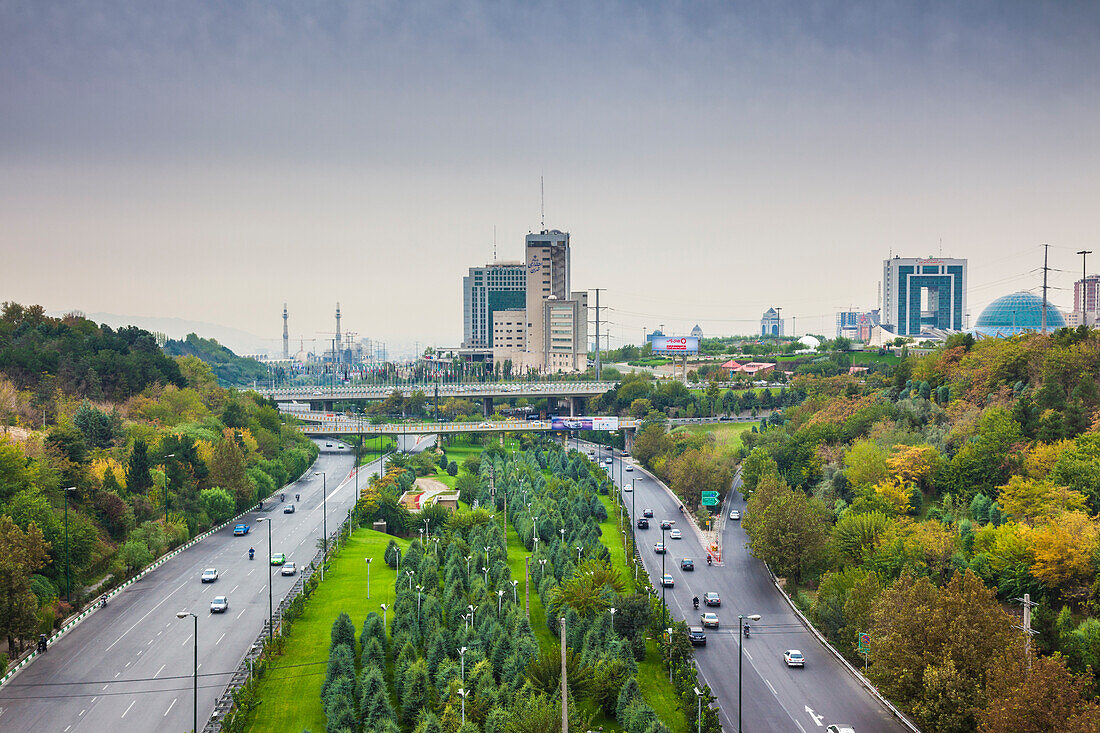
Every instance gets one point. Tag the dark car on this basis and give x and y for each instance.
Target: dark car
(643, 523)
(697, 636)
(687, 564)
(648, 513)
(666, 524)
(712, 599)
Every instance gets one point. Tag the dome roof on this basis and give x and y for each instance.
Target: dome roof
(1016, 313)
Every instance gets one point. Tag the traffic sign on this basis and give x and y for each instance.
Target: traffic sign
(864, 643)
(710, 494)
(709, 500)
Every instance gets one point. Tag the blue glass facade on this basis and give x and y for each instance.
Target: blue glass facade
(923, 294)
(1017, 313)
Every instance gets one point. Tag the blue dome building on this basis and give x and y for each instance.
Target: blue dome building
(1016, 313)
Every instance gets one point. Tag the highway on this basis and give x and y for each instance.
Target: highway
(129, 666)
(774, 697)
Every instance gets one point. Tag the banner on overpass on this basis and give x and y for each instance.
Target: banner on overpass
(585, 423)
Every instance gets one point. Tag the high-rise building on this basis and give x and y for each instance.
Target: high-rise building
(552, 307)
(496, 286)
(856, 325)
(919, 294)
(1086, 300)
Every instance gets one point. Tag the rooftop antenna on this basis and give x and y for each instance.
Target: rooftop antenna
(542, 203)
(941, 247)
(494, 243)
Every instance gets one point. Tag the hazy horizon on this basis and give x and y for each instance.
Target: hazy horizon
(208, 162)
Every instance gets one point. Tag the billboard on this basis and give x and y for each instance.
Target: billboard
(676, 345)
(585, 423)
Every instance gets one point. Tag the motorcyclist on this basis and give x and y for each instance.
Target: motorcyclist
(708, 559)
(297, 497)
(695, 602)
(282, 497)
(746, 629)
(251, 553)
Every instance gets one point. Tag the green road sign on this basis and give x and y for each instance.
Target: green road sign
(709, 501)
(710, 494)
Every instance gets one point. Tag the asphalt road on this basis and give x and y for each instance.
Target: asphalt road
(773, 696)
(129, 666)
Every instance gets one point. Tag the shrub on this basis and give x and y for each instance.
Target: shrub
(343, 632)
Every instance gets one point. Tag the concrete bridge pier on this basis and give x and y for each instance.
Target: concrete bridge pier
(487, 406)
(628, 438)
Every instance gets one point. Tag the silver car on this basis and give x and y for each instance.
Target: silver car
(220, 604)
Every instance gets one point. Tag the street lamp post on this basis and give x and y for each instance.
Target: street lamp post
(698, 710)
(195, 710)
(740, 655)
(472, 608)
(500, 598)
(419, 592)
(562, 531)
(68, 576)
(383, 606)
(270, 612)
(664, 547)
(410, 574)
(515, 593)
(670, 631)
(368, 577)
(165, 466)
(324, 519)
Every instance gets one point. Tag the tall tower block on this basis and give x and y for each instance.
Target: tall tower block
(338, 348)
(286, 335)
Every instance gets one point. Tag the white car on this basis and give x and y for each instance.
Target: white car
(629, 467)
(485, 425)
(667, 581)
(220, 604)
(288, 569)
(734, 514)
(709, 620)
(794, 658)
(675, 534)
(840, 729)
(209, 575)
(608, 461)
(627, 488)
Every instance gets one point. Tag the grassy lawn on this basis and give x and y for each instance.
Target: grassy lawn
(291, 693)
(373, 448)
(725, 434)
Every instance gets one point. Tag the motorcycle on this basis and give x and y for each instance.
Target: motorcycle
(746, 631)
(251, 553)
(708, 560)
(695, 602)
(282, 497)
(681, 508)
(297, 497)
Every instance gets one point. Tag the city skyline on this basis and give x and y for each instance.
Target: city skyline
(210, 163)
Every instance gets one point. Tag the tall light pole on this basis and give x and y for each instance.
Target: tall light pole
(740, 655)
(165, 466)
(564, 684)
(368, 577)
(664, 551)
(1084, 286)
(68, 576)
(515, 593)
(324, 519)
(195, 710)
(270, 613)
(383, 606)
(698, 710)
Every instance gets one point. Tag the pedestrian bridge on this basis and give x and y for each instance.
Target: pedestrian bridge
(334, 425)
(471, 391)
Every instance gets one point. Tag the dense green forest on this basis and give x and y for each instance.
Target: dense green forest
(230, 369)
(109, 427)
(920, 505)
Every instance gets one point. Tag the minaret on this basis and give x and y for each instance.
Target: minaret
(338, 349)
(286, 336)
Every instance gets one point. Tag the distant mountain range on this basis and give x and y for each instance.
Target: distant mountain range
(241, 342)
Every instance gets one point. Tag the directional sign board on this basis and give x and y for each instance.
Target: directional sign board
(864, 643)
(710, 498)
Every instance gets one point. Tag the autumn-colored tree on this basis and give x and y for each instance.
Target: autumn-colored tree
(227, 470)
(22, 554)
(865, 464)
(1064, 550)
(914, 464)
(787, 529)
(894, 494)
(1028, 499)
(696, 471)
(1047, 698)
(929, 644)
(856, 535)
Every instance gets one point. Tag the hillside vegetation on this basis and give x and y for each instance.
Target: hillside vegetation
(920, 506)
(105, 419)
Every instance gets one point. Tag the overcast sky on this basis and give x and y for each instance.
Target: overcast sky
(209, 160)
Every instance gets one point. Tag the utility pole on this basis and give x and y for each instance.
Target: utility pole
(1084, 285)
(1026, 627)
(598, 332)
(564, 684)
(1046, 251)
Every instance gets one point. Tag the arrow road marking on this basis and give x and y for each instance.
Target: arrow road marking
(817, 718)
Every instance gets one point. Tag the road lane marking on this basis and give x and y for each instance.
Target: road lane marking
(81, 712)
(127, 631)
(160, 670)
(250, 572)
(219, 641)
(170, 707)
(183, 644)
(128, 708)
(241, 613)
(67, 727)
(770, 687)
(749, 656)
(94, 699)
(238, 585)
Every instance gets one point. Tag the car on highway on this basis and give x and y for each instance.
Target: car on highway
(608, 461)
(643, 523)
(675, 534)
(697, 636)
(627, 488)
(209, 575)
(288, 569)
(629, 467)
(840, 729)
(667, 581)
(328, 445)
(712, 599)
(794, 658)
(687, 564)
(278, 558)
(288, 509)
(240, 530)
(666, 524)
(485, 425)
(647, 513)
(625, 454)
(220, 604)
(659, 548)
(709, 620)
(735, 514)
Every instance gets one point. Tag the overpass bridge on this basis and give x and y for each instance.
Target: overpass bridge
(565, 394)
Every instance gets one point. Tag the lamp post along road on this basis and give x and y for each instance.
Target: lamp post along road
(740, 655)
(185, 614)
(564, 684)
(368, 577)
(270, 607)
(324, 520)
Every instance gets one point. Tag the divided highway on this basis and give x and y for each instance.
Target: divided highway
(773, 696)
(129, 666)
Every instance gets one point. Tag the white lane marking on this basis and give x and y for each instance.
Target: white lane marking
(817, 718)
(127, 631)
(749, 656)
(250, 572)
(183, 644)
(67, 727)
(160, 670)
(800, 726)
(170, 707)
(117, 674)
(238, 585)
(94, 699)
(241, 613)
(128, 708)
(105, 686)
(770, 687)
(81, 712)
(219, 641)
